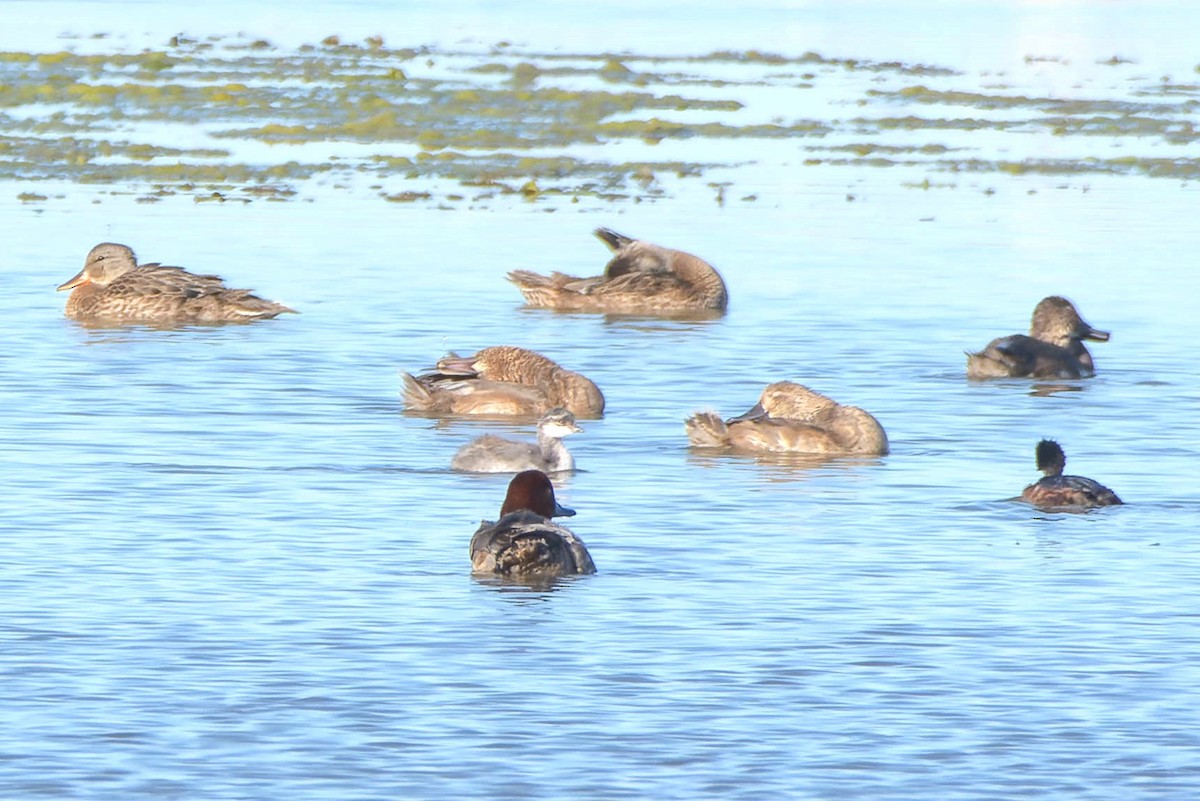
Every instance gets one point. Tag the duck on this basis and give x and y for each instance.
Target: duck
(1056, 491)
(523, 542)
(1053, 349)
(503, 381)
(113, 287)
(791, 418)
(493, 454)
(641, 278)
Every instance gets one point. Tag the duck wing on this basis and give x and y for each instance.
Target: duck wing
(175, 293)
(453, 394)
(493, 454)
(1069, 492)
(523, 543)
(1021, 356)
(527, 280)
(157, 280)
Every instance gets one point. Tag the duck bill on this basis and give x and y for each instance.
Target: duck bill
(454, 364)
(562, 511)
(757, 412)
(1097, 335)
(74, 282)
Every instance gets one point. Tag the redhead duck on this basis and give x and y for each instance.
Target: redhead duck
(502, 381)
(1056, 491)
(641, 278)
(493, 454)
(1053, 349)
(523, 543)
(791, 418)
(112, 286)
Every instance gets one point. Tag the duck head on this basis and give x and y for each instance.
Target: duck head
(532, 490)
(105, 263)
(558, 423)
(1050, 457)
(1056, 320)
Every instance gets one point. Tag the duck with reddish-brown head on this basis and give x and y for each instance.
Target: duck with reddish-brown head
(524, 543)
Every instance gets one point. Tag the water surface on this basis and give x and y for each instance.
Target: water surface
(234, 568)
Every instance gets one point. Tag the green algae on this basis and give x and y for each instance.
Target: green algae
(502, 123)
(1180, 168)
(913, 122)
(871, 148)
(982, 100)
(1187, 169)
(341, 92)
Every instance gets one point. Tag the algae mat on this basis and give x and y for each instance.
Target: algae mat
(239, 119)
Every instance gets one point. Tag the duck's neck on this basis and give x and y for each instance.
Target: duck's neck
(704, 278)
(574, 392)
(1054, 468)
(80, 296)
(556, 454)
(1082, 355)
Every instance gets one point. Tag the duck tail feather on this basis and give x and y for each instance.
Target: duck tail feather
(707, 430)
(612, 238)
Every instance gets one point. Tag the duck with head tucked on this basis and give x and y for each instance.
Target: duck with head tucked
(1056, 491)
(1053, 349)
(524, 543)
(791, 418)
(641, 278)
(501, 381)
(493, 454)
(113, 287)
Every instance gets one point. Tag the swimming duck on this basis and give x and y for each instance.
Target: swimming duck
(502, 381)
(791, 418)
(1056, 491)
(112, 286)
(493, 454)
(523, 543)
(1053, 349)
(641, 278)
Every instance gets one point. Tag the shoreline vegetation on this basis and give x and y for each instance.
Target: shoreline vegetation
(238, 119)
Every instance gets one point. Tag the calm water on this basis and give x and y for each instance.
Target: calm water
(233, 568)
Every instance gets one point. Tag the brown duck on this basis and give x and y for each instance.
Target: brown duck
(1056, 491)
(113, 287)
(791, 418)
(641, 278)
(502, 381)
(1053, 349)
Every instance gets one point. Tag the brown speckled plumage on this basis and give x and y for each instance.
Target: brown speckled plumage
(1058, 491)
(113, 287)
(791, 418)
(641, 278)
(502, 381)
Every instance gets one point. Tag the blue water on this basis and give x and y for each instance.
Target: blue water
(232, 568)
